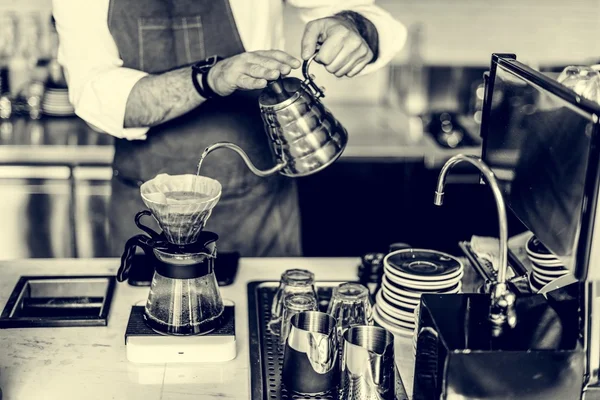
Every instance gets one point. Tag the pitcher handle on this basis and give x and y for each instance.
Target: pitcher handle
(141, 241)
(317, 91)
(247, 161)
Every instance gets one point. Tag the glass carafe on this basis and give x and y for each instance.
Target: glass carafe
(184, 296)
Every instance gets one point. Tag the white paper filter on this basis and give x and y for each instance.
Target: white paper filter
(181, 204)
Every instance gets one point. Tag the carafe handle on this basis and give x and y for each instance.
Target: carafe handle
(247, 161)
(153, 234)
(141, 241)
(317, 91)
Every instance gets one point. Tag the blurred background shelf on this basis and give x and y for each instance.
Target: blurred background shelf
(55, 181)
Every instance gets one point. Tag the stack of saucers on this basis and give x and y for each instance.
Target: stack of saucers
(546, 266)
(407, 274)
(415, 331)
(56, 102)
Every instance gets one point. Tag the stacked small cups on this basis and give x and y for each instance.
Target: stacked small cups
(56, 102)
(408, 274)
(546, 266)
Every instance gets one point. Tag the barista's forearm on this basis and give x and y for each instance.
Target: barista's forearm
(159, 98)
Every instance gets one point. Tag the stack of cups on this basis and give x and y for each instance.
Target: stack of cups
(293, 282)
(546, 266)
(295, 304)
(350, 305)
(408, 274)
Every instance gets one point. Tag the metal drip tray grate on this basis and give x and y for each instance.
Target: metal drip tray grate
(266, 353)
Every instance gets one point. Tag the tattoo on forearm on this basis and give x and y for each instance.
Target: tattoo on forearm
(159, 98)
(365, 28)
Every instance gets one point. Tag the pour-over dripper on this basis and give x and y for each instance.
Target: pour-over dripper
(181, 204)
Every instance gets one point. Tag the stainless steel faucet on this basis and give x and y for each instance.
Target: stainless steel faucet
(502, 305)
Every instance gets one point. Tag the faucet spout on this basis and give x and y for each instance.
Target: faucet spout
(245, 158)
(502, 304)
(439, 198)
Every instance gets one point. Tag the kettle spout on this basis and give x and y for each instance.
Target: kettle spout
(242, 153)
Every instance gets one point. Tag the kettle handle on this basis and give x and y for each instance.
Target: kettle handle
(317, 91)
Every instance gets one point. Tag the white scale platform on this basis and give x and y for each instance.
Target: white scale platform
(145, 346)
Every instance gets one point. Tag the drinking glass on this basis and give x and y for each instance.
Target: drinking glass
(350, 305)
(292, 305)
(583, 80)
(293, 281)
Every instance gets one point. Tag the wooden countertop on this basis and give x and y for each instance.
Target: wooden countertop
(91, 363)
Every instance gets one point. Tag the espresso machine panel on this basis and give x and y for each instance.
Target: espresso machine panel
(541, 141)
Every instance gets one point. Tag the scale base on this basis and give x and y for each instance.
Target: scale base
(145, 346)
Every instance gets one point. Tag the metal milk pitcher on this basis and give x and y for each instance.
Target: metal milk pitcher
(305, 136)
(368, 366)
(310, 361)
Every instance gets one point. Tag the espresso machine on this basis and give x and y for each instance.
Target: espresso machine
(184, 318)
(540, 158)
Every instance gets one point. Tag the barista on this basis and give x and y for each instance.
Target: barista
(169, 78)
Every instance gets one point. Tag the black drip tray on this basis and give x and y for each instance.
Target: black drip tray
(59, 301)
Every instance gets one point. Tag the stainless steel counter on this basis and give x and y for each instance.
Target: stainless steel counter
(56, 141)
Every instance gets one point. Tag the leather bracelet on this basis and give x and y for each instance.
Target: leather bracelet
(197, 85)
(203, 89)
(203, 68)
(211, 93)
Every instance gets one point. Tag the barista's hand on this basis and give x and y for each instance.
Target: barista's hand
(343, 50)
(251, 70)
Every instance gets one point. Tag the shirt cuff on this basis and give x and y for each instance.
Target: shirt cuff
(103, 101)
(392, 36)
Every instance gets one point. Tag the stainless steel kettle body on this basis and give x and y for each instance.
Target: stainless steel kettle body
(305, 137)
(304, 134)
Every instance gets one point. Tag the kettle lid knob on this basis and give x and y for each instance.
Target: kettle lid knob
(275, 93)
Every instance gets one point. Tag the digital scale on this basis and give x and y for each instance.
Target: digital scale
(146, 346)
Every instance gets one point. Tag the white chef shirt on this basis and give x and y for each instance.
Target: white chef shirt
(99, 85)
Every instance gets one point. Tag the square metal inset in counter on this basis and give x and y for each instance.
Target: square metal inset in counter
(59, 301)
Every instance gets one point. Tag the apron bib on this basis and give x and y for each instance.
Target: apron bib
(256, 216)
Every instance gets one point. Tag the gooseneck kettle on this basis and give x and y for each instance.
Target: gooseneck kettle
(305, 137)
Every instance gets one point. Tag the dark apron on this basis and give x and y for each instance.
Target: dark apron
(256, 216)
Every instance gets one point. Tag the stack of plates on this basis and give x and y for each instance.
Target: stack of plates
(546, 266)
(416, 332)
(56, 102)
(407, 274)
